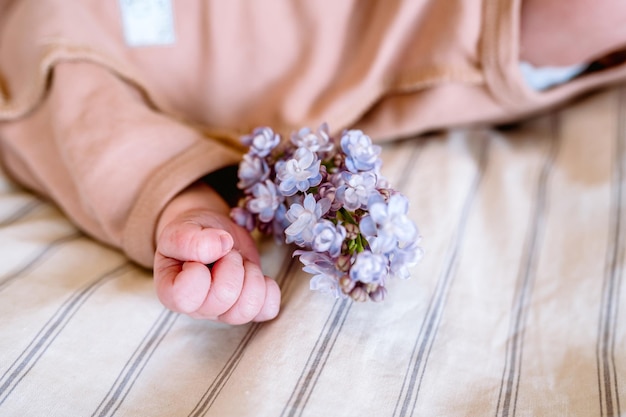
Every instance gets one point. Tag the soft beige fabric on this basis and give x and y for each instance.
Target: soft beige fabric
(515, 310)
(111, 132)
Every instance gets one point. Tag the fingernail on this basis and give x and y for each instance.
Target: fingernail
(227, 242)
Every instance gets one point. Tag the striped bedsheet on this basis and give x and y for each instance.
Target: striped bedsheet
(517, 309)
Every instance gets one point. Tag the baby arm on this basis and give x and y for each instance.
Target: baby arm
(116, 167)
(208, 267)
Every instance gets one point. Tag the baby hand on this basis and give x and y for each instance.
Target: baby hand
(209, 268)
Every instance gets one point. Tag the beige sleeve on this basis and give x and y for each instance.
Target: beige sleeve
(107, 159)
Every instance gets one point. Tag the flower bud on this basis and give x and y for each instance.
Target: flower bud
(385, 192)
(352, 231)
(327, 190)
(346, 284)
(378, 294)
(323, 172)
(344, 247)
(343, 263)
(359, 294)
(338, 159)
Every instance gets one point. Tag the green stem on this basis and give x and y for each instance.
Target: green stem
(347, 216)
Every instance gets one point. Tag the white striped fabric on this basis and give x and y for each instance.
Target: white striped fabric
(517, 309)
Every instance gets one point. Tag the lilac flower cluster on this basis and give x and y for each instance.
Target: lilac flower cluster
(329, 198)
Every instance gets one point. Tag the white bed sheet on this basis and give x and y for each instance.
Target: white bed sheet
(517, 309)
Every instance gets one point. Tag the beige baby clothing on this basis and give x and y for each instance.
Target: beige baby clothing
(111, 125)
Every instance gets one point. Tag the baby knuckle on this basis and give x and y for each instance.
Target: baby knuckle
(227, 293)
(250, 307)
(202, 247)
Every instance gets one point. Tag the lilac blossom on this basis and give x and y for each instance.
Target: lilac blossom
(327, 190)
(252, 170)
(382, 182)
(325, 274)
(361, 155)
(262, 141)
(403, 258)
(333, 202)
(314, 141)
(328, 237)
(369, 268)
(243, 218)
(303, 219)
(265, 201)
(299, 173)
(387, 224)
(280, 223)
(336, 179)
(356, 189)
